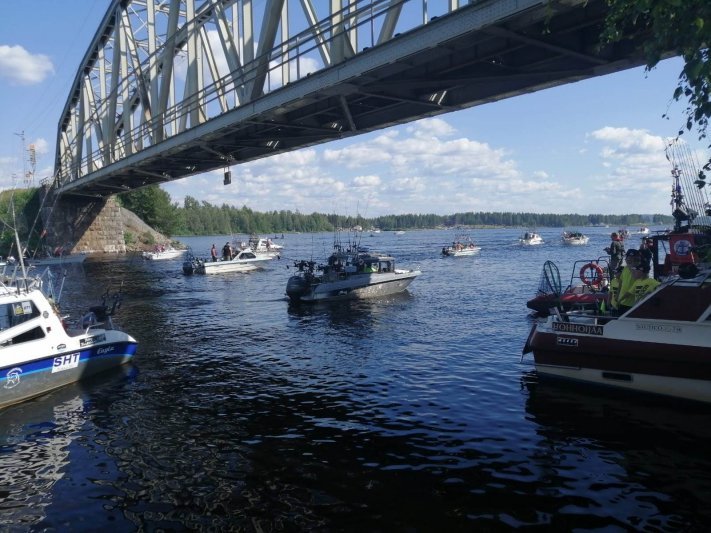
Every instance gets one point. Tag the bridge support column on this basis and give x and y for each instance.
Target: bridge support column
(83, 225)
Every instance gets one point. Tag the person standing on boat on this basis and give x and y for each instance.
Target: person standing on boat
(623, 296)
(642, 284)
(645, 252)
(213, 253)
(616, 251)
(227, 252)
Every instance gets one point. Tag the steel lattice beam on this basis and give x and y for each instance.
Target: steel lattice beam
(170, 88)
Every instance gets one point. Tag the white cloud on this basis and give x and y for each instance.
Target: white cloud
(637, 172)
(367, 181)
(429, 167)
(23, 68)
(41, 146)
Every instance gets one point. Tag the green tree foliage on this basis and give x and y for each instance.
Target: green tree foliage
(202, 218)
(152, 204)
(26, 207)
(671, 27)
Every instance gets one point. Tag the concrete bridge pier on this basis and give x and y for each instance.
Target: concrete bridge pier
(82, 224)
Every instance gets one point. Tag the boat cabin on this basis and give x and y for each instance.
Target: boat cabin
(376, 263)
(363, 263)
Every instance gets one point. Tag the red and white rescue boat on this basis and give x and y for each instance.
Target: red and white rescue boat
(662, 345)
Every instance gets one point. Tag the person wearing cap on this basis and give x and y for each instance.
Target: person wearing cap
(645, 251)
(642, 284)
(616, 251)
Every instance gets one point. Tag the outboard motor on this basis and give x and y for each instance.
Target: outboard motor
(296, 287)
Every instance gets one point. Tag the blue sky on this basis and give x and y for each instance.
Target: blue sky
(595, 146)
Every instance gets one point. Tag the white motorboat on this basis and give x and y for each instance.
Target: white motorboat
(261, 246)
(40, 351)
(575, 238)
(530, 238)
(161, 253)
(463, 246)
(351, 273)
(244, 261)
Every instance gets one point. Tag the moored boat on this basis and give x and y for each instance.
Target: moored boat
(662, 345)
(51, 260)
(350, 273)
(40, 351)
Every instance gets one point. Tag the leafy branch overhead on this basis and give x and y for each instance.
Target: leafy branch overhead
(670, 28)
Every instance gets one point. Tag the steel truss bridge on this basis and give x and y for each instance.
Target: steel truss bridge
(172, 88)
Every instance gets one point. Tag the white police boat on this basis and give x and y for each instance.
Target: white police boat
(39, 351)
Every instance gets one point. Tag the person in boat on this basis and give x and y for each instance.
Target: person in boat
(616, 251)
(624, 296)
(227, 252)
(645, 252)
(213, 253)
(642, 284)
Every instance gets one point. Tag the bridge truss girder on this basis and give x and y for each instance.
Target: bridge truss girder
(171, 88)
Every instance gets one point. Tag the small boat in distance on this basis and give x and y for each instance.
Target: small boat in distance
(161, 252)
(461, 247)
(60, 260)
(58, 256)
(350, 273)
(244, 261)
(40, 351)
(260, 246)
(575, 238)
(530, 238)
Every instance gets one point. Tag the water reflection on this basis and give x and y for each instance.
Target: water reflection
(37, 440)
(403, 413)
(646, 454)
(349, 314)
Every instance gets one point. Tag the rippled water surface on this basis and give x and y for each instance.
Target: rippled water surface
(242, 412)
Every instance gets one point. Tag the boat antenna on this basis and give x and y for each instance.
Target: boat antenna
(17, 237)
(688, 204)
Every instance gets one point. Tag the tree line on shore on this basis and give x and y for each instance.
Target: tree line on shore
(154, 206)
(195, 217)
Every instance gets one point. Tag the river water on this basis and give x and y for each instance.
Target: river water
(411, 413)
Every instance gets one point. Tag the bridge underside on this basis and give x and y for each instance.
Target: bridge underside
(453, 63)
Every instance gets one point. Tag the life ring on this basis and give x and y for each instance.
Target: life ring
(596, 274)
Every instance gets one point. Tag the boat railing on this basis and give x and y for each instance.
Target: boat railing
(16, 282)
